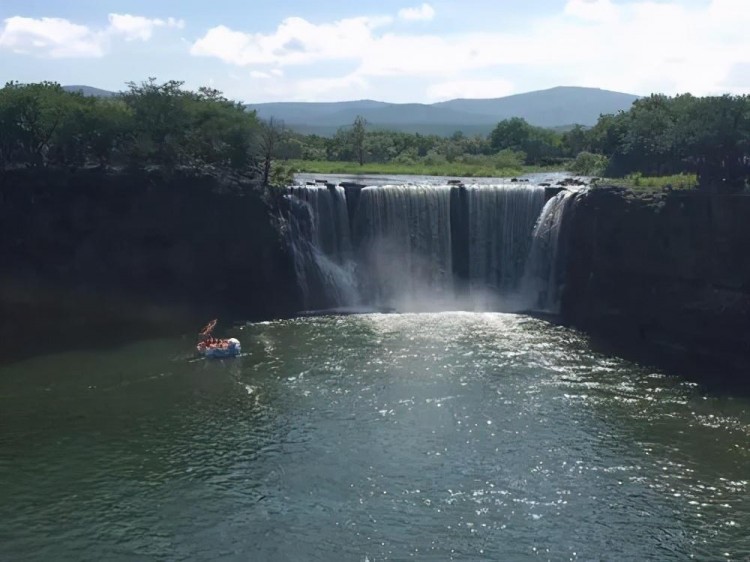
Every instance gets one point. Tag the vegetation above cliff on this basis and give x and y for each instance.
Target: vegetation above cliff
(706, 138)
(164, 125)
(150, 124)
(660, 135)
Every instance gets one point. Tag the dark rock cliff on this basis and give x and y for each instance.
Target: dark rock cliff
(665, 277)
(94, 255)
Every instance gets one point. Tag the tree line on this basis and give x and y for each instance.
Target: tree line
(662, 135)
(149, 124)
(659, 135)
(513, 142)
(163, 124)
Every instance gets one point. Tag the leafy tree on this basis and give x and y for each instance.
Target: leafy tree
(589, 164)
(516, 134)
(575, 141)
(150, 124)
(30, 116)
(358, 134)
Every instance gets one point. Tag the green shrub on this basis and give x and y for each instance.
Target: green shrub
(589, 164)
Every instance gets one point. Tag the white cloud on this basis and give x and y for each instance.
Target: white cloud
(296, 41)
(425, 12)
(592, 10)
(490, 88)
(637, 47)
(53, 37)
(138, 27)
(61, 38)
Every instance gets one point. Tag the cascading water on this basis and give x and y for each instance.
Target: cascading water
(501, 219)
(544, 274)
(320, 241)
(331, 231)
(428, 247)
(403, 236)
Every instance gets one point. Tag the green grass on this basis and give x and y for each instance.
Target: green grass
(639, 183)
(422, 169)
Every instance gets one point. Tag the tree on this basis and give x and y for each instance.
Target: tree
(271, 134)
(660, 135)
(715, 138)
(30, 116)
(516, 134)
(513, 133)
(176, 127)
(150, 124)
(358, 134)
(575, 141)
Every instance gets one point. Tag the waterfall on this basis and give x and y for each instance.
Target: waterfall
(319, 237)
(501, 219)
(544, 275)
(403, 236)
(414, 247)
(331, 229)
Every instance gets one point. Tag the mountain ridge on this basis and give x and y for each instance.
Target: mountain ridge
(555, 107)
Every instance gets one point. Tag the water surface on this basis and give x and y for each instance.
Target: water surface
(463, 436)
(533, 178)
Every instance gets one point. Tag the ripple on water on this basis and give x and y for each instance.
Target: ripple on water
(445, 436)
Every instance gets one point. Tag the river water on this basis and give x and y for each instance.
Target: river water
(405, 179)
(465, 436)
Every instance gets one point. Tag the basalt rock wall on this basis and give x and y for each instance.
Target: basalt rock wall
(92, 253)
(666, 277)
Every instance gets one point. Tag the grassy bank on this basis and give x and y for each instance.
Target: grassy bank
(639, 183)
(453, 169)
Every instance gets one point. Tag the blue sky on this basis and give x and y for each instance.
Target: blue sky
(400, 51)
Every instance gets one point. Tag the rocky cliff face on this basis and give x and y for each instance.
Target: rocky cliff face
(89, 253)
(667, 278)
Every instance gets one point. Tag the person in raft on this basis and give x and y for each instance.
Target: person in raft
(206, 338)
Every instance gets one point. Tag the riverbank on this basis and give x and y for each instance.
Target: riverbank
(449, 169)
(648, 184)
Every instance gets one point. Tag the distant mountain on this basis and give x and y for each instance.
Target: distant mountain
(557, 108)
(90, 91)
(554, 108)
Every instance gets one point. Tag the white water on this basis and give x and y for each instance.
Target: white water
(543, 276)
(331, 221)
(320, 241)
(404, 240)
(398, 252)
(501, 220)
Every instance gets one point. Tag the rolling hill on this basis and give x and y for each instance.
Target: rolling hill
(90, 91)
(558, 107)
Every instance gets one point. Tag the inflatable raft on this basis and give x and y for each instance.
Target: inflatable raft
(218, 349)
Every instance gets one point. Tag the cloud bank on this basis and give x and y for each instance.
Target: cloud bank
(59, 38)
(419, 53)
(636, 47)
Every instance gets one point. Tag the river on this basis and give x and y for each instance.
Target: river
(404, 179)
(440, 436)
